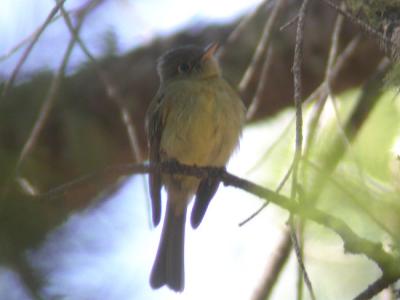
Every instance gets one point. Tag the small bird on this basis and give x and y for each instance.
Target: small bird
(196, 118)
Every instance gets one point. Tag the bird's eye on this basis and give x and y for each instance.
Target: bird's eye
(184, 68)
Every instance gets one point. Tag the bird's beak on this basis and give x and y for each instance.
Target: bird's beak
(209, 51)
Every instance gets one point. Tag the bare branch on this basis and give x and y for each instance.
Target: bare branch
(240, 28)
(263, 44)
(79, 12)
(333, 49)
(271, 274)
(352, 242)
(291, 22)
(320, 104)
(265, 204)
(298, 97)
(48, 103)
(341, 60)
(298, 93)
(354, 200)
(364, 26)
(255, 103)
(28, 50)
(111, 90)
(376, 287)
(19, 45)
(322, 92)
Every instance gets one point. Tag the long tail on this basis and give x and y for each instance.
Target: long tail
(168, 267)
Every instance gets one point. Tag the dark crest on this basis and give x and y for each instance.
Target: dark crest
(179, 61)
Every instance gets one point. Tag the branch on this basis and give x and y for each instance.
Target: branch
(320, 104)
(376, 287)
(28, 50)
(261, 47)
(49, 101)
(111, 90)
(298, 93)
(298, 97)
(13, 50)
(255, 103)
(271, 274)
(364, 26)
(352, 242)
(233, 36)
(320, 92)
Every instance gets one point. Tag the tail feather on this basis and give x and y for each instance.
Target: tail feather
(168, 267)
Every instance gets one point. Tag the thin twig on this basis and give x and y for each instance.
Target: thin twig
(263, 44)
(27, 187)
(296, 234)
(352, 242)
(237, 31)
(9, 83)
(331, 73)
(255, 103)
(26, 39)
(346, 141)
(78, 12)
(364, 26)
(320, 104)
(254, 214)
(48, 103)
(271, 148)
(339, 64)
(281, 255)
(298, 97)
(321, 91)
(341, 61)
(291, 22)
(298, 91)
(265, 204)
(328, 83)
(111, 90)
(360, 205)
(333, 50)
(19, 45)
(376, 287)
(389, 264)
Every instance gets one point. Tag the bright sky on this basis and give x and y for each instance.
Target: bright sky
(133, 21)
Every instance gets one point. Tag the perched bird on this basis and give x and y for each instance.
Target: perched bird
(195, 118)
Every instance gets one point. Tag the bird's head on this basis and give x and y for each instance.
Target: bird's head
(189, 62)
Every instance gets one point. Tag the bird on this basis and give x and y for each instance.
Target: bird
(195, 118)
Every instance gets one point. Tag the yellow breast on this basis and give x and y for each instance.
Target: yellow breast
(203, 120)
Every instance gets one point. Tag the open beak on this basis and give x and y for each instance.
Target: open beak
(209, 51)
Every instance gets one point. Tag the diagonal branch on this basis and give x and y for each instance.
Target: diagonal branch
(28, 50)
(364, 26)
(376, 287)
(352, 242)
(262, 46)
(255, 103)
(111, 91)
(321, 91)
(273, 270)
(237, 31)
(49, 101)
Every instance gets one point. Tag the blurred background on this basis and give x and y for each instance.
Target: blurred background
(77, 106)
